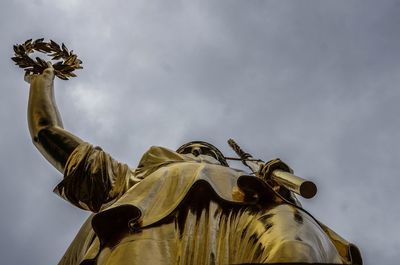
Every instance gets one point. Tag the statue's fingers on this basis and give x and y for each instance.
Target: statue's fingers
(50, 65)
(49, 71)
(28, 77)
(263, 170)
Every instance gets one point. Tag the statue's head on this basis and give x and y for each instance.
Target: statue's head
(197, 148)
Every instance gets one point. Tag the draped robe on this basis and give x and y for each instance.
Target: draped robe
(180, 209)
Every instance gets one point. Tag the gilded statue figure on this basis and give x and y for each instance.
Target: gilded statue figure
(175, 207)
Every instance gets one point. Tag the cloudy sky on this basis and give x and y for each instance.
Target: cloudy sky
(312, 82)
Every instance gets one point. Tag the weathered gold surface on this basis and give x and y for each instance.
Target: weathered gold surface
(173, 208)
(272, 170)
(305, 188)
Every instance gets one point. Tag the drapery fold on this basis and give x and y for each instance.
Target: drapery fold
(151, 193)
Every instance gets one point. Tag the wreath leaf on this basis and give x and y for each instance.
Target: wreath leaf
(62, 69)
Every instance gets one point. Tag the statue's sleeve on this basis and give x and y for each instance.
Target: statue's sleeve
(93, 179)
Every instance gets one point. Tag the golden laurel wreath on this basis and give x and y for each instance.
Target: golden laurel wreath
(63, 69)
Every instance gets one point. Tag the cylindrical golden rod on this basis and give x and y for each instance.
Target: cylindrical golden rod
(305, 188)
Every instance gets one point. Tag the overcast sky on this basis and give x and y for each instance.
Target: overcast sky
(312, 82)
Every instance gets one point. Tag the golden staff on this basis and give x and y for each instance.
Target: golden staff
(298, 185)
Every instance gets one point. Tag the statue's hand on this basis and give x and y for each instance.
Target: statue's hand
(46, 77)
(267, 169)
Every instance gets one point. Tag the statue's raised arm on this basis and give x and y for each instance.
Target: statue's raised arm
(92, 178)
(44, 121)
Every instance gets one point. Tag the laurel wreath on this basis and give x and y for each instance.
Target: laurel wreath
(63, 69)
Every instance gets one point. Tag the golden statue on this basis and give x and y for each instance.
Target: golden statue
(176, 207)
